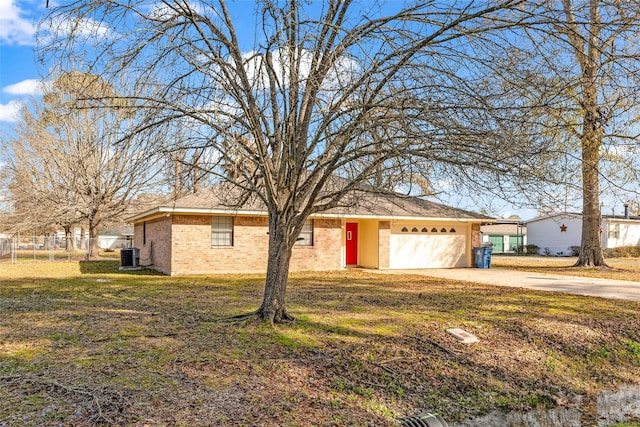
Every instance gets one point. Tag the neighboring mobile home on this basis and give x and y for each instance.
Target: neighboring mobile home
(198, 234)
(556, 234)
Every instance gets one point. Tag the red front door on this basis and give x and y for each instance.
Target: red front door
(352, 243)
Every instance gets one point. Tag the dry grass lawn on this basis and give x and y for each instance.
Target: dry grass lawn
(83, 344)
(619, 268)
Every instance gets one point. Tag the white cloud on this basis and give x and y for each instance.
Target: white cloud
(25, 87)
(10, 112)
(62, 28)
(14, 28)
(341, 73)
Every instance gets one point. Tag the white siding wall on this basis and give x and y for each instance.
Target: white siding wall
(546, 233)
(114, 242)
(628, 233)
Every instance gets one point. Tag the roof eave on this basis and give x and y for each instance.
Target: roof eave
(163, 211)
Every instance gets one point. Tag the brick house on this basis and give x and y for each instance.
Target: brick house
(197, 234)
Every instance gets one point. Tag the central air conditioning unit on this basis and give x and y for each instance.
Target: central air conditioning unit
(129, 257)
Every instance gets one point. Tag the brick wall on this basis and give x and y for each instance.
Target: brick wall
(384, 233)
(476, 236)
(193, 253)
(155, 249)
(191, 246)
(325, 254)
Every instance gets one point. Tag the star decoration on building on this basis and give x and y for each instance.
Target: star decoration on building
(563, 228)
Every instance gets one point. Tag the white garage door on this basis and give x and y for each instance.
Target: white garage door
(432, 250)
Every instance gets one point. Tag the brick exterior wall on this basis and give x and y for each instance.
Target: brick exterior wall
(384, 233)
(191, 251)
(326, 252)
(476, 238)
(191, 245)
(155, 248)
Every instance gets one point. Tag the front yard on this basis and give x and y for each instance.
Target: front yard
(620, 268)
(82, 344)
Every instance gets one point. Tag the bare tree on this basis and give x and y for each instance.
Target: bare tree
(70, 165)
(305, 106)
(28, 164)
(574, 71)
(599, 33)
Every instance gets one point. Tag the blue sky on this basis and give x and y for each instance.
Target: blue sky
(20, 73)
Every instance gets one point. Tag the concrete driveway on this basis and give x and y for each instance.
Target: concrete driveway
(605, 288)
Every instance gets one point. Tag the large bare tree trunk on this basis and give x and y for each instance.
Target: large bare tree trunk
(94, 229)
(588, 51)
(47, 241)
(82, 239)
(69, 238)
(591, 248)
(273, 309)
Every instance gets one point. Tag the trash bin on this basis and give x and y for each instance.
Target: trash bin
(483, 256)
(486, 258)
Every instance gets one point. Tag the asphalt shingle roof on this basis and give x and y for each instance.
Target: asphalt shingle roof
(362, 204)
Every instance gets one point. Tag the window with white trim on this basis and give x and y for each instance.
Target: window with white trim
(306, 235)
(222, 231)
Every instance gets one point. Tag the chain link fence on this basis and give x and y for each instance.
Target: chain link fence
(54, 248)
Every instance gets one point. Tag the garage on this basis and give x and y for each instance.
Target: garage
(428, 245)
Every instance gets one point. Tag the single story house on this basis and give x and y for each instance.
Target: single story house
(197, 234)
(505, 236)
(556, 234)
(115, 238)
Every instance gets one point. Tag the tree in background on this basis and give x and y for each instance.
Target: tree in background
(70, 163)
(35, 204)
(573, 73)
(303, 107)
(602, 36)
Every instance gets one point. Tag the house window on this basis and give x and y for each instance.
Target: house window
(222, 231)
(144, 233)
(434, 230)
(404, 229)
(424, 229)
(306, 235)
(614, 231)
